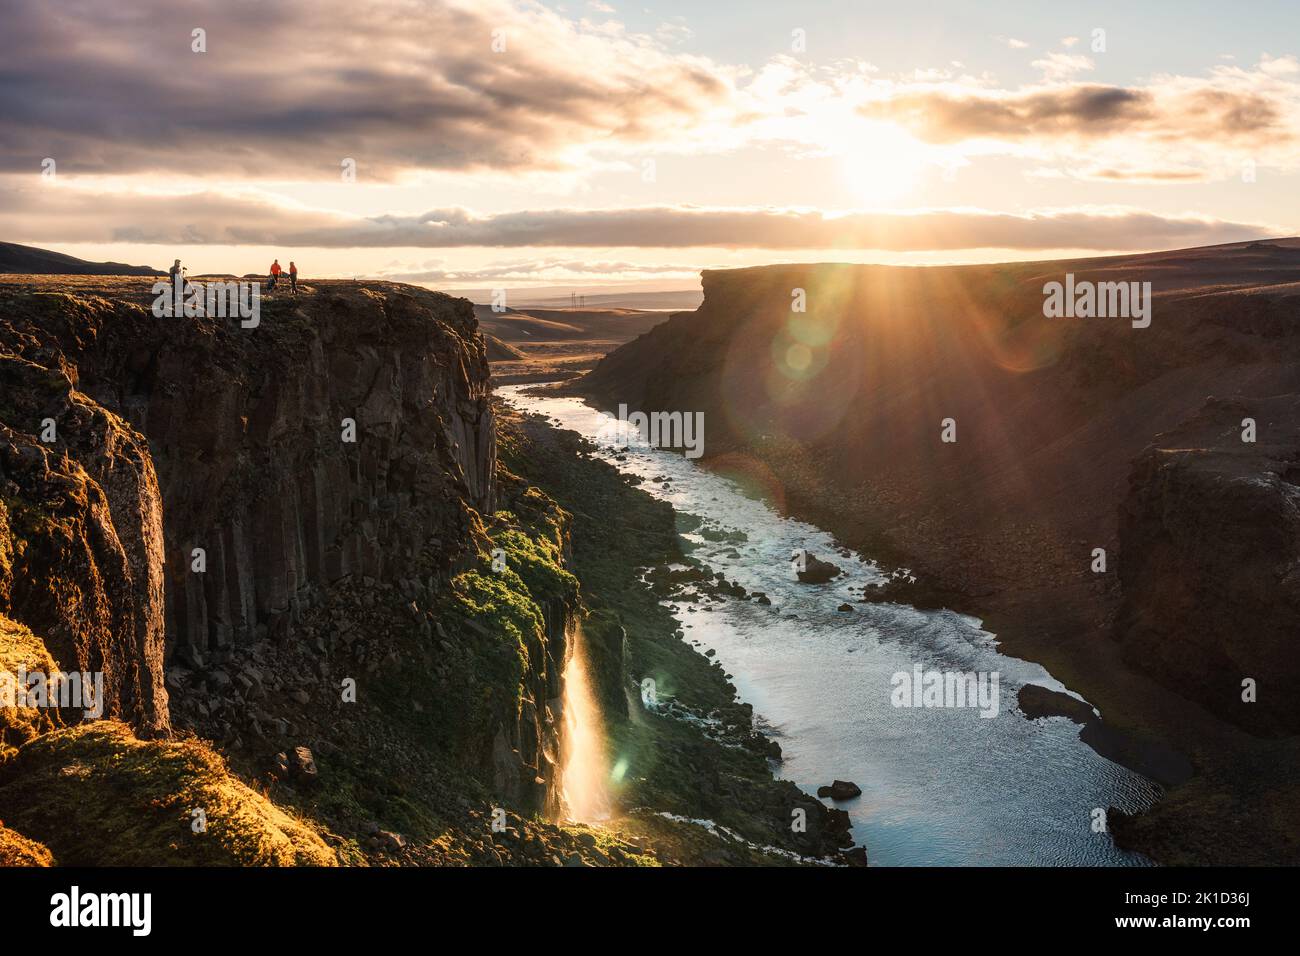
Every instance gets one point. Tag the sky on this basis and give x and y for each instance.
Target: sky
(602, 145)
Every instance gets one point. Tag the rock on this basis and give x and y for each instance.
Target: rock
(838, 825)
(845, 607)
(392, 842)
(817, 571)
(302, 765)
(189, 656)
(840, 790)
(1209, 566)
(1036, 701)
(855, 856)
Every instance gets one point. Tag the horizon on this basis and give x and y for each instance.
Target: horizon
(543, 296)
(490, 160)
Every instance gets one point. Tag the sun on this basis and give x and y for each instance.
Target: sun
(879, 162)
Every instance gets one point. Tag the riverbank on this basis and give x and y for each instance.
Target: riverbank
(932, 419)
(701, 798)
(1211, 771)
(817, 663)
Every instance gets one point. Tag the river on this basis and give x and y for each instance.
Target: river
(940, 785)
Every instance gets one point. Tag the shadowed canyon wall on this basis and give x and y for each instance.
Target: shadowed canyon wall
(837, 412)
(246, 429)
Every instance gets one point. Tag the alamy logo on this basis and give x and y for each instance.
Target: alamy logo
(74, 909)
(676, 430)
(946, 689)
(220, 300)
(72, 689)
(1084, 300)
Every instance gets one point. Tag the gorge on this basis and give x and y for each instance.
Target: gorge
(430, 644)
(307, 637)
(1072, 436)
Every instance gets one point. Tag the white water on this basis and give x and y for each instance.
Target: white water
(584, 764)
(941, 786)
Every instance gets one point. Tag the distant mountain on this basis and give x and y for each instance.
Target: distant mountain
(673, 301)
(28, 260)
(520, 326)
(559, 298)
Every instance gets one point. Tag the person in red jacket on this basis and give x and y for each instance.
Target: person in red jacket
(275, 274)
(293, 277)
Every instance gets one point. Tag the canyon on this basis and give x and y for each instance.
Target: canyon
(333, 585)
(1072, 435)
(308, 637)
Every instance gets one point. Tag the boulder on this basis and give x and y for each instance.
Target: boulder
(817, 571)
(840, 790)
(302, 765)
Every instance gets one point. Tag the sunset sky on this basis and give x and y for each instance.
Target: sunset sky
(634, 142)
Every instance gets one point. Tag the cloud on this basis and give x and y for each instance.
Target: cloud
(289, 89)
(1061, 66)
(286, 91)
(674, 31)
(1174, 129)
(941, 116)
(37, 214)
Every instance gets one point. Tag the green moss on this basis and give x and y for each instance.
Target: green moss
(97, 795)
(490, 621)
(538, 562)
(496, 621)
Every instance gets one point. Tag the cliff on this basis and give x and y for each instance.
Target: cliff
(1210, 539)
(279, 538)
(839, 411)
(327, 616)
(246, 430)
(81, 541)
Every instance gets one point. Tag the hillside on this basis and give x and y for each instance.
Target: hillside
(554, 325)
(838, 413)
(556, 343)
(29, 260)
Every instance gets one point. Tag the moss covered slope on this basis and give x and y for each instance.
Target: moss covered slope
(98, 796)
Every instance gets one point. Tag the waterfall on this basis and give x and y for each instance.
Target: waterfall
(584, 763)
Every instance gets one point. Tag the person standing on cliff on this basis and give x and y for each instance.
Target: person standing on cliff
(293, 277)
(275, 275)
